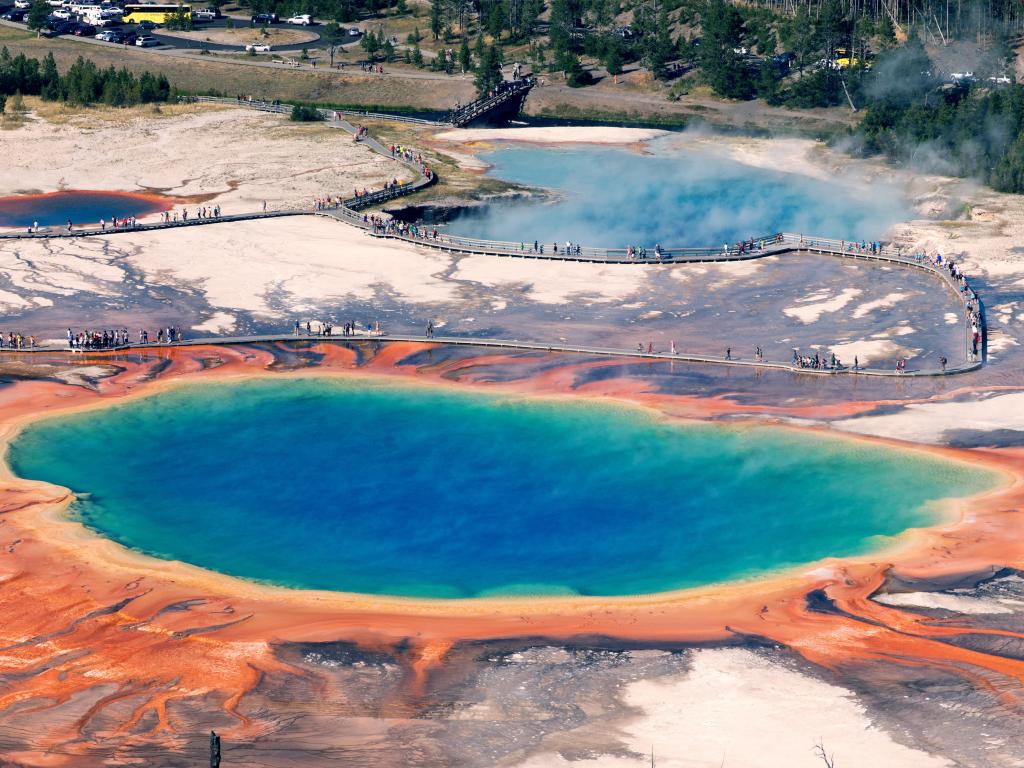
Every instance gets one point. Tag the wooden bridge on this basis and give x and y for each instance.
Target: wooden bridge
(497, 107)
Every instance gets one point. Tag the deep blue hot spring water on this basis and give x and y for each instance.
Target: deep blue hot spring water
(379, 488)
(81, 207)
(615, 197)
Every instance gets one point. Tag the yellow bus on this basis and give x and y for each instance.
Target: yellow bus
(158, 14)
(844, 60)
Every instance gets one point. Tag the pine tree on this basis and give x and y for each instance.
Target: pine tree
(436, 18)
(488, 71)
(465, 60)
(723, 68)
(37, 15)
(613, 56)
(370, 43)
(660, 47)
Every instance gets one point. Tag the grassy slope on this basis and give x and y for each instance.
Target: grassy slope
(408, 88)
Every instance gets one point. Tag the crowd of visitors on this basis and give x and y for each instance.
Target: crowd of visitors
(202, 212)
(404, 153)
(327, 203)
(351, 328)
(116, 222)
(114, 339)
(969, 297)
(17, 341)
(818, 362)
(131, 222)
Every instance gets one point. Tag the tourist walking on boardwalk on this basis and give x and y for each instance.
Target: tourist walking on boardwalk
(430, 329)
(728, 353)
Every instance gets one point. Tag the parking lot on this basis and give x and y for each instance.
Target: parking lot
(108, 28)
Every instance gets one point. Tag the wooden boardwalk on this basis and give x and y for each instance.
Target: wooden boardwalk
(776, 244)
(492, 343)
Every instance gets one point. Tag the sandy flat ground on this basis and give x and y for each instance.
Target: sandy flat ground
(554, 135)
(236, 157)
(735, 708)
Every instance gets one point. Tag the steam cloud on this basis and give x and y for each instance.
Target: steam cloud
(615, 198)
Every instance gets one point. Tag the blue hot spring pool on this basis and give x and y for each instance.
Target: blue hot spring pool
(388, 489)
(615, 197)
(80, 206)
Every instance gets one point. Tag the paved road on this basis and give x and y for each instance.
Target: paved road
(173, 41)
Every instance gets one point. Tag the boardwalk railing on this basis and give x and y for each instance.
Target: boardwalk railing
(755, 248)
(507, 92)
(511, 344)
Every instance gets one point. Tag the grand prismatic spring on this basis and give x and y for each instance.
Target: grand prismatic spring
(366, 496)
(510, 497)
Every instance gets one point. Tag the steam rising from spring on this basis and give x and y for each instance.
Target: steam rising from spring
(617, 197)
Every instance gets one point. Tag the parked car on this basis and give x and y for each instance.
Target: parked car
(55, 3)
(146, 25)
(62, 13)
(109, 36)
(257, 47)
(146, 41)
(60, 28)
(14, 15)
(84, 30)
(265, 18)
(302, 20)
(127, 37)
(22, 5)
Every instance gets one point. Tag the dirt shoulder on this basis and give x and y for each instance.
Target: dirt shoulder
(606, 101)
(271, 36)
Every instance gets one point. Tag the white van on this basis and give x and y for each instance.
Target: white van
(101, 18)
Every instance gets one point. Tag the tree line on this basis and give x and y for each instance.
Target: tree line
(966, 129)
(83, 83)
